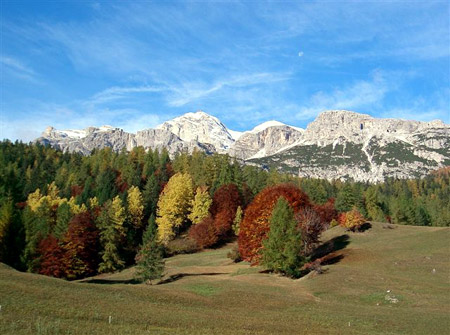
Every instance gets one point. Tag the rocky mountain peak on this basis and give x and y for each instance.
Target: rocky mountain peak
(200, 127)
(339, 144)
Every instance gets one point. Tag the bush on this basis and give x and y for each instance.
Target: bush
(204, 233)
(352, 220)
(181, 246)
(234, 255)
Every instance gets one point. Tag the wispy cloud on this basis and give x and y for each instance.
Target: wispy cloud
(189, 92)
(17, 68)
(357, 96)
(116, 93)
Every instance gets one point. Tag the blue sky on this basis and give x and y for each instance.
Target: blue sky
(136, 64)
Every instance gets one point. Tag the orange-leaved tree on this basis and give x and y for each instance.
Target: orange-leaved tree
(352, 220)
(255, 225)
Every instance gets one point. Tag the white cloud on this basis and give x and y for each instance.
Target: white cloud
(189, 92)
(17, 68)
(116, 93)
(355, 97)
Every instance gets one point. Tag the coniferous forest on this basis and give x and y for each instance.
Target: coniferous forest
(72, 216)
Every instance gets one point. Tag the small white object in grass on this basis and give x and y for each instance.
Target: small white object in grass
(349, 323)
(388, 291)
(433, 271)
(110, 319)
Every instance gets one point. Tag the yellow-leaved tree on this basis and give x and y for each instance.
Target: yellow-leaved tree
(135, 207)
(200, 205)
(174, 206)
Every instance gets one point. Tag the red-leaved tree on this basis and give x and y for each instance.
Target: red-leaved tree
(226, 200)
(204, 233)
(81, 245)
(52, 257)
(255, 225)
(327, 212)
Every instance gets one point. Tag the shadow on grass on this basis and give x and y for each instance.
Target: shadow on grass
(335, 244)
(111, 281)
(364, 227)
(178, 276)
(170, 279)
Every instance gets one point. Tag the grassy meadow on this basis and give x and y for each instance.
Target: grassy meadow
(388, 279)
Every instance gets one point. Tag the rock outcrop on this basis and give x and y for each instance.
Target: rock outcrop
(337, 145)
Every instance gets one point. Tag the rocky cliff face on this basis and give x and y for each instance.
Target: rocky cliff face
(343, 145)
(264, 141)
(337, 145)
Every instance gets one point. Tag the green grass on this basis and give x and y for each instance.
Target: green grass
(208, 294)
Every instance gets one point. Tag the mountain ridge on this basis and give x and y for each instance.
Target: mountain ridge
(338, 144)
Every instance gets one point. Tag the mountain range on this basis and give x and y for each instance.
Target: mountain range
(336, 145)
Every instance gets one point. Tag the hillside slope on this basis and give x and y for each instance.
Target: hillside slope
(387, 280)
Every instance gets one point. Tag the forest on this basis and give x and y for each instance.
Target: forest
(72, 216)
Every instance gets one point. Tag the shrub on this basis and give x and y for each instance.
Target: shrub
(204, 233)
(181, 246)
(311, 225)
(234, 255)
(352, 220)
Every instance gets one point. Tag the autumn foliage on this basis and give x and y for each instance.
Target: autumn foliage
(204, 233)
(81, 245)
(352, 220)
(327, 211)
(76, 255)
(226, 200)
(255, 225)
(52, 255)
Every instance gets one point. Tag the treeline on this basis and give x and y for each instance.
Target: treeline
(68, 215)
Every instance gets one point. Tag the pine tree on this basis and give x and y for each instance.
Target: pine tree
(63, 216)
(281, 250)
(150, 195)
(111, 222)
(346, 199)
(149, 260)
(174, 205)
(200, 205)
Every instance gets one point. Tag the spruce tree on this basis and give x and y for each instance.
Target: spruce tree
(281, 250)
(149, 261)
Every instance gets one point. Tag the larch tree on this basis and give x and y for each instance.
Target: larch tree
(135, 207)
(174, 206)
(200, 205)
(237, 221)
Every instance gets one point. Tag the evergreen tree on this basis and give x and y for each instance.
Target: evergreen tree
(150, 196)
(346, 199)
(281, 250)
(111, 222)
(63, 216)
(149, 261)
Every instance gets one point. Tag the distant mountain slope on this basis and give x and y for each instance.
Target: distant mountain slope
(338, 144)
